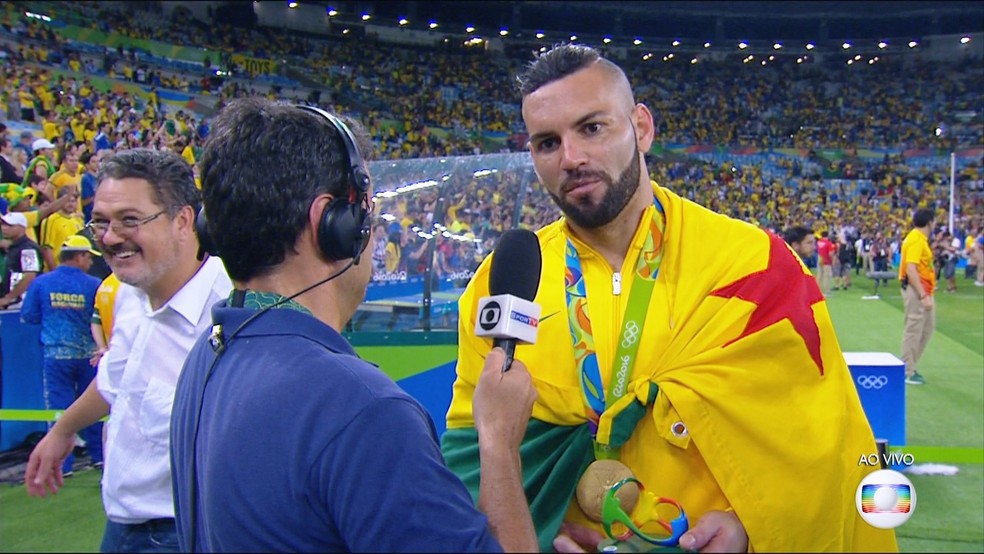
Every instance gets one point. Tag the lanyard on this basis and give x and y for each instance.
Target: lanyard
(585, 356)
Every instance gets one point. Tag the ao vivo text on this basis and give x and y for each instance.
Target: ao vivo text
(888, 459)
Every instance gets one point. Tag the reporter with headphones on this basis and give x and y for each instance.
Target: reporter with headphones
(282, 439)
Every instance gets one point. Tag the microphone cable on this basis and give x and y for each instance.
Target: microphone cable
(193, 508)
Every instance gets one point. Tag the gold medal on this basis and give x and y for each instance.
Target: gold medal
(597, 479)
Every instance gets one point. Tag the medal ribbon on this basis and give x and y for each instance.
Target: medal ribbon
(585, 356)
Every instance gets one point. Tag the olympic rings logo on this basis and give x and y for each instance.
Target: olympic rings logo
(872, 381)
(631, 334)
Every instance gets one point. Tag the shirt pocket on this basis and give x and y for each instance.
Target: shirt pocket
(155, 411)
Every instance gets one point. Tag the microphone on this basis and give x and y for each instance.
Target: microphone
(509, 315)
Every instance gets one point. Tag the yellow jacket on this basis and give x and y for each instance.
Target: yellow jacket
(771, 422)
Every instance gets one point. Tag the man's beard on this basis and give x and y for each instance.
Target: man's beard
(591, 216)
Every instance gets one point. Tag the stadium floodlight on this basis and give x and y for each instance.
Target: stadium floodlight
(743, 45)
(772, 58)
(857, 58)
(503, 32)
(913, 44)
(763, 62)
(850, 61)
(872, 61)
(366, 17)
(432, 24)
(676, 43)
(607, 40)
(693, 60)
(539, 34)
(403, 21)
(573, 38)
(882, 45)
(964, 40)
(707, 45)
(810, 46)
(637, 41)
(416, 186)
(345, 31)
(669, 56)
(777, 46)
(291, 5)
(469, 29)
(846, 45)
(799, 60)
(332, 12)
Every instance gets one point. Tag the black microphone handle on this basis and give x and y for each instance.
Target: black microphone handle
(509, 345)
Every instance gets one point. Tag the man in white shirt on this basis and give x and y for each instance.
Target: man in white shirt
(144, 221)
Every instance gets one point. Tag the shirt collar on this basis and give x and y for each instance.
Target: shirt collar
(258, 300)
(189, 302)
(278, 322)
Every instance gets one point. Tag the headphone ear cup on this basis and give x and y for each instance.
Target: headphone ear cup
(344, 230)
(205, 242)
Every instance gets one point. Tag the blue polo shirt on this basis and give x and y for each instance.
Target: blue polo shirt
(304, 447)
(62, 301)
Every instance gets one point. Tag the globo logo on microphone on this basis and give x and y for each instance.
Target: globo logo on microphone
(488, 317)
(505, 316)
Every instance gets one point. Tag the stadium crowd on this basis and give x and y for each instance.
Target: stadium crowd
(423, 103)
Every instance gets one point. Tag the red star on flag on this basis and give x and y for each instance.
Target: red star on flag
(780, 291)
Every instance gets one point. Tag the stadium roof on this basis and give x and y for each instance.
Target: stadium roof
(711, 20)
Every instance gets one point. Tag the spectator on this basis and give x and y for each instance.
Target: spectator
(802, 241)
(23, 260)
(61, 302)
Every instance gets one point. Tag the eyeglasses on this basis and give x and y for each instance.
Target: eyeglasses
(122, 227)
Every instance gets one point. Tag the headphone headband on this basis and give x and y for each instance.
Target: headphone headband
(359, 177)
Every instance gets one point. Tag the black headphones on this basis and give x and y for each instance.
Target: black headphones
(343, 232)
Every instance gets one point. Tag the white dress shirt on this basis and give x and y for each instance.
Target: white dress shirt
(137, 377)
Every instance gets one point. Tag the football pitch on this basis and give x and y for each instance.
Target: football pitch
(945, 419)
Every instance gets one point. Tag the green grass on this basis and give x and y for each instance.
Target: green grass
(71, 521)
(946, 412)
(949, 513)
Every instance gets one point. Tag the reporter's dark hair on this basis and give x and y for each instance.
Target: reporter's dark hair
(262, 167)
(922, 217)
(171, 178)
(796, 234)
